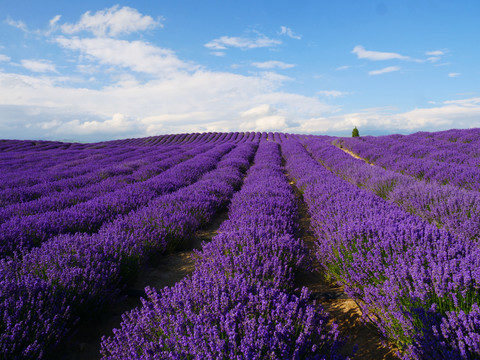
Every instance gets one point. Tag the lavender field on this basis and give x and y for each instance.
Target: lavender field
(395, 230)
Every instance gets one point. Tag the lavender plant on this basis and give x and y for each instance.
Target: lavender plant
(82, 272)
(410, 277)
(446, 206)
(422, 156)
(236, 304)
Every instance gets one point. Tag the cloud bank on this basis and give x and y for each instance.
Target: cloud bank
(244, 43)
(123, 87)
(110, 22)
(376, 55)
(384, 70)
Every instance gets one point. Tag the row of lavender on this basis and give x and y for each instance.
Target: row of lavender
(43, 293)
(8, 146)
(447, 206)
(175, 139)
(71, 188)
(19, 234)
(237, 303)
(25, 156)
(65, 278)
(190, 138)
(458, 146)
(418, 283)
(136, 166)
(424, 157)
(453, 146)
(61, 158)
(27, 175)
(28, 168)
(90, 196)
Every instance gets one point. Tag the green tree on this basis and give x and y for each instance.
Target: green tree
(355, 132)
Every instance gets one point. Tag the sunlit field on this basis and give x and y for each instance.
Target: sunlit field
(387, 227)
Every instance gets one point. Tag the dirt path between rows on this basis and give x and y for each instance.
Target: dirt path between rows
(163, 271)
(351, 153)
(343, 310)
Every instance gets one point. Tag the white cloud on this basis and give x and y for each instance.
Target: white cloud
(112, 22)
(53, 26)
(243, 43)
(296, 106)
(272, 64)
(384, 70)
(362, 53)
(453, 74)
(332, 93)
(155, 92)
(119, 123)
(343, 67)
(161, 123)
(17, 24)
(138, 56)
(218, 53)
(433, 59)
(38, 65)
(185, 102)
(472, 102)
(274, 78)
(87, 69)
(38, 107)
(463, 113)
(258, 111)
(268, 123)
(54, 20)
(4, 57)
(435, 53)
(264, 117)
(288, 32)
(457, 114)
(376, 55)
(434, 56)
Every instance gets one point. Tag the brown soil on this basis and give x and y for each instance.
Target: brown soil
(164, 270)
(342, 309)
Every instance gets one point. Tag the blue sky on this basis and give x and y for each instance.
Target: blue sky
(99, 70)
